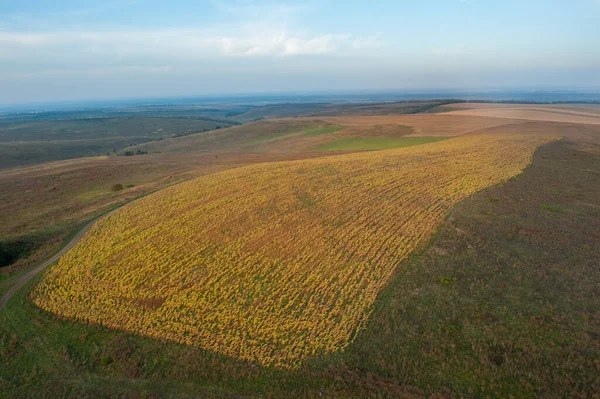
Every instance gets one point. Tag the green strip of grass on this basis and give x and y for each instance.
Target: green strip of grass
(318, 131)
(376, 143)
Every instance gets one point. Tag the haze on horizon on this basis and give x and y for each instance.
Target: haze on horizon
(52, 51)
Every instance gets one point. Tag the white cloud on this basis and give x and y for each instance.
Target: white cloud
(185, 43)
(368, 42)
(318, 45)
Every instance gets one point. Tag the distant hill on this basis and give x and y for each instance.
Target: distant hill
(35, 141)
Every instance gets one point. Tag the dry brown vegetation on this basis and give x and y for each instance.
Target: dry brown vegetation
(583, 136)
(580, 109)
(550, 113)
(505, 299)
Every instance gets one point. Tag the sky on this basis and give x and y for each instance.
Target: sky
(82, 49)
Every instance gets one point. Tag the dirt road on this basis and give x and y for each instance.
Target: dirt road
(16, 283)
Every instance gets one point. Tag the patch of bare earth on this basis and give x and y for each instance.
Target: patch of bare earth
(549, 113)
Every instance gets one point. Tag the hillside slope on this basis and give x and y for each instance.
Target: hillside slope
(273, 263)
(233, 139)
(313, 133)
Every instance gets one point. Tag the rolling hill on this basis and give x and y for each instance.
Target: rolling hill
(273, 263)
(315, 133)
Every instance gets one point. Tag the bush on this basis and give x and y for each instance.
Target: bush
(117, 187)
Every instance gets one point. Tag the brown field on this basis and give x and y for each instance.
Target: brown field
(581, 135)
(578, 109)
(549, 113)
(433, 125)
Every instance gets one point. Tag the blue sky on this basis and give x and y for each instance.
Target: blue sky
(59, 50)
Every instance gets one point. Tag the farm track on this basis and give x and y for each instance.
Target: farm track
(16, 283)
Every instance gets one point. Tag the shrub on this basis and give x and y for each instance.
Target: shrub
(117, 187)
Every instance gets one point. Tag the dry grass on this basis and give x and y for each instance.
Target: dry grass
(272, 263)
(581, 135)
(505, 301)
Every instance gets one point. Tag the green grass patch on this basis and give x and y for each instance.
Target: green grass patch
(318, 131)
(552, 209)
(376, 143)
